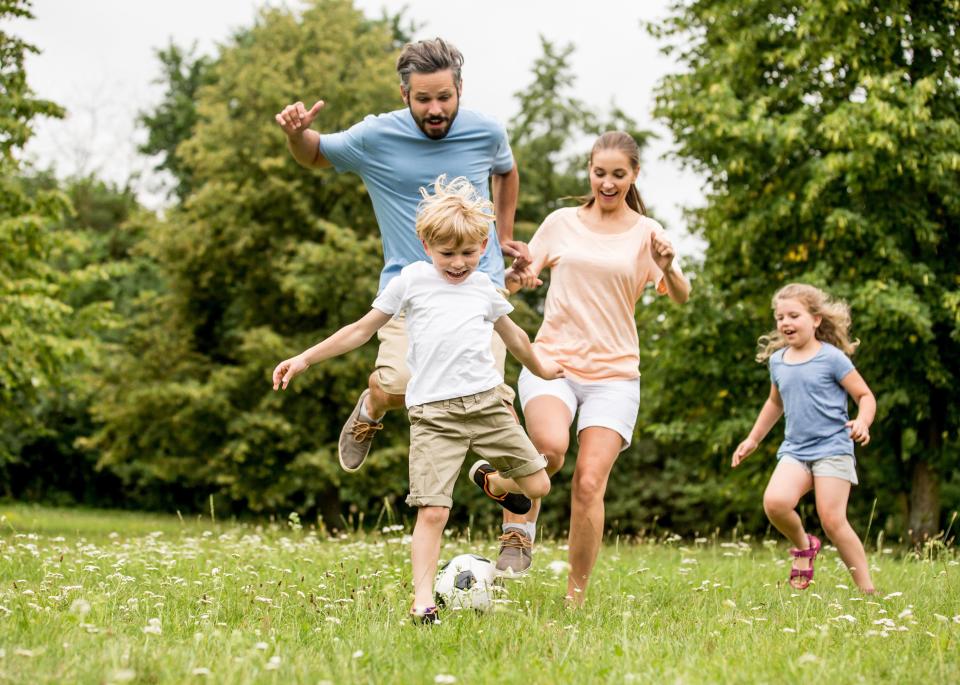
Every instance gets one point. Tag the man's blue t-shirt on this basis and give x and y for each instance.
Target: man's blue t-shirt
(814, 403)
(395, 159)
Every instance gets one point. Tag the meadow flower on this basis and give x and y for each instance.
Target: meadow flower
(444, 678)
(357, 654)
(273, 664)
(123, 675)
(201, 670)
(153, 627)
(80, 607)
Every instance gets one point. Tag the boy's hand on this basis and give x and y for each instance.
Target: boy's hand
(524, 277)
(744, 450)
(286, 370)
(549, 369)
(859, 431)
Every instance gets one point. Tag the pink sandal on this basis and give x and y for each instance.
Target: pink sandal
(804, 575)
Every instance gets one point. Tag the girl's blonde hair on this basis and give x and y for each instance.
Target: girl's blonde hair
(454, 213)
(834, 320)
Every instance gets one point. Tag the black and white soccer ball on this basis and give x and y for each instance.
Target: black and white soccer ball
(467, 581)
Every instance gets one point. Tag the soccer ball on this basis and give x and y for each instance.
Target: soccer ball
(466, 582)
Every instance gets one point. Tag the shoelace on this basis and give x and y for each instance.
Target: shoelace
(513, 538)
(364, 431)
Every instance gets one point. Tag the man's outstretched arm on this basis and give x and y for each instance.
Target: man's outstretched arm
(303, 143)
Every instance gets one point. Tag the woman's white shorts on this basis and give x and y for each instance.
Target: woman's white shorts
(607, 404)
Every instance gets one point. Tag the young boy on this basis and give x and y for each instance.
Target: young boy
(451, 312)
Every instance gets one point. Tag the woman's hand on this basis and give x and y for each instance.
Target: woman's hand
(661, 249)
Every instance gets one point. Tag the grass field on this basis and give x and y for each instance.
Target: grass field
(103, 597)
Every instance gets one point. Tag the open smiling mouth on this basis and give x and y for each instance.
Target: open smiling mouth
(456, 275)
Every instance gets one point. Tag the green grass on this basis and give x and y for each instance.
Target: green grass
(230, 603)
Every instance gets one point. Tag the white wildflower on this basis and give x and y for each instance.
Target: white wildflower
(201, 670)
(444, 678)
(273, 664)
(153, 627)
(80, 607)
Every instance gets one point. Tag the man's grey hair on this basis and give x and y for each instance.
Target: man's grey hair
(428, 57)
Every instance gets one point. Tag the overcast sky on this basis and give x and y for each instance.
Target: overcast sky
(97, 60)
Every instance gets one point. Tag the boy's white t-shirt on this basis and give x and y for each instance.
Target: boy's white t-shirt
(449, 328)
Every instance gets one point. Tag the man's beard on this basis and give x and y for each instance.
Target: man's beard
(435, 134)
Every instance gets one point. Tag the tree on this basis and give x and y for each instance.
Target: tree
(41, 334)
(262, 258)
(830, 135)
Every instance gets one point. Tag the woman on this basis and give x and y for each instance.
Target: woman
(601, 256)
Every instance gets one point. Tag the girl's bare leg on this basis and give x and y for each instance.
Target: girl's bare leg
(832, 495)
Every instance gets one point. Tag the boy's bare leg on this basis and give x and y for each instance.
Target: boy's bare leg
(425, 552)
(534, 486)
(358, 432)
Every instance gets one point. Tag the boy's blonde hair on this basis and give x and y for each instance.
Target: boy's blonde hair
(454, 213)
(834, 320)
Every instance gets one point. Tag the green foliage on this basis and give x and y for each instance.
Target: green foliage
(830, 134)
(173, 121)
(261, 260)
(42, 332)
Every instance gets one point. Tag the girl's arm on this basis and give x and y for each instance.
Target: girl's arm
(348, 338)
(769, 415)
(857, 388)
(517, 341)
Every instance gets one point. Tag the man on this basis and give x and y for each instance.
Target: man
(396, 154)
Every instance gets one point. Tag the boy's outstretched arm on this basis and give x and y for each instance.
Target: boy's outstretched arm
(517, 341)
(769, 415)
(350, 337)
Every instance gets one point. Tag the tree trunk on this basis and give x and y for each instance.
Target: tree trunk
(924, 502)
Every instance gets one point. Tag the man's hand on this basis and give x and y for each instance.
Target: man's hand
(518, 250)
(295, 118)
(662, 251)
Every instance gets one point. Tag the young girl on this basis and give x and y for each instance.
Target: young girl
(601, 256)
(811, 376)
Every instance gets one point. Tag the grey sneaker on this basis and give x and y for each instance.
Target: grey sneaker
(516, 552)
(355, 438)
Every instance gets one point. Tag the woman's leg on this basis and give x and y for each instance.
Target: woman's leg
(425, 552)
(832, 495)
(787, 485)
(599, 448)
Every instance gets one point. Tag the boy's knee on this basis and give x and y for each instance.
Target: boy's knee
(537, 486)
(555, 458)
(433, 516)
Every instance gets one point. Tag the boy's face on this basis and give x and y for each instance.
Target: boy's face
(455, 263)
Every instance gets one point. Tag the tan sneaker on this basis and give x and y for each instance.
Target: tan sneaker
(516, 552)
(355, 438)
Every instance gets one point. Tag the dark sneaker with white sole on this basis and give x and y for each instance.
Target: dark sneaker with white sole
(516, 552)
(356, 438)
(511, 501)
